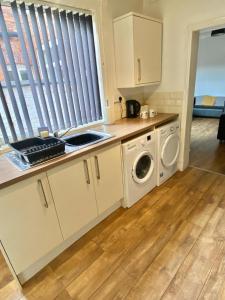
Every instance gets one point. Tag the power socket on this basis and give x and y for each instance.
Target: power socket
(122, 102)
(120, 99)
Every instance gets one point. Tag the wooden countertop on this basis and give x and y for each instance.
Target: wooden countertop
(121, 130)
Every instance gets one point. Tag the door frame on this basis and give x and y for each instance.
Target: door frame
(191, 64)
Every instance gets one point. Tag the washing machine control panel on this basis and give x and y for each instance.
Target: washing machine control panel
(146, 140)
(140, 142)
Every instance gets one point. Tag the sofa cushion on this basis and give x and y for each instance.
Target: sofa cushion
(208, 100)
(218, 103)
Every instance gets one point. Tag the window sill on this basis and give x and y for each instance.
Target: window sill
(4, 149)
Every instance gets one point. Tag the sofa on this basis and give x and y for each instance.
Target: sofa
(209, 111)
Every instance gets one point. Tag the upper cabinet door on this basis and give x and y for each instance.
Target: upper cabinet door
(29, 227)
(107, 172)
(138, 50)
(73, 192)
(147, 50)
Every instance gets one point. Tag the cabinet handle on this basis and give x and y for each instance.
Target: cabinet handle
(86, 171)
(97, 168)
(139, 69)
(43, 193)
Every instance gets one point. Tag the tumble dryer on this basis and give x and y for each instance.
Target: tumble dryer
(168, 147)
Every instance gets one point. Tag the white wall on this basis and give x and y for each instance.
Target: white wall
(210, 75)
(177, 15)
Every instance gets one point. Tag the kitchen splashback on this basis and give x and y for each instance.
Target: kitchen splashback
(166, 102)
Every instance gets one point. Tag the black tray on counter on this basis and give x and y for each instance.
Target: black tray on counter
(36, 150)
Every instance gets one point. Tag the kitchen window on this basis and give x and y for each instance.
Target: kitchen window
(22, 72)
(24, 75)
(48, 70)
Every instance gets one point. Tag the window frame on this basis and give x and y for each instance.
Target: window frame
(19, 69)
(98, 42)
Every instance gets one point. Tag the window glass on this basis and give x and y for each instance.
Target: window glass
(48, 70)
(24, 75)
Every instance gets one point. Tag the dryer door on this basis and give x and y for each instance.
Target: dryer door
(170, 150)
(143, 167)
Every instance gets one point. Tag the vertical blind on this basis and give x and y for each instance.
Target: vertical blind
(58, 51)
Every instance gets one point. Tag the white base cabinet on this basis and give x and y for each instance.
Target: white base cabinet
(41, 214)
(29, 227)
(84, 188)
(72, 188)
(107, 177)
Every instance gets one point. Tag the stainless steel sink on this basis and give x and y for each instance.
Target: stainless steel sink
(86, 138)
(72, 143)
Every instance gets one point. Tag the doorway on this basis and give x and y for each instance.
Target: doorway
(208, 128)
(206, 151)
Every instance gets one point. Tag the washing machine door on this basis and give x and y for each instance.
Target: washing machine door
(170, 150)
(143, 167)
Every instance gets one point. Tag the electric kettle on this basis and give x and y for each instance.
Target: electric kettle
(133, 108)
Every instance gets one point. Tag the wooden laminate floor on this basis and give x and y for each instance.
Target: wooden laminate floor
(206, 151)
(170, 245)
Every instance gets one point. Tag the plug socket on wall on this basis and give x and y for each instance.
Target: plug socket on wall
(120, 99)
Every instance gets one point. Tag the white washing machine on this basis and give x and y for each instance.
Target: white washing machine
(168, 147)
(139, 156)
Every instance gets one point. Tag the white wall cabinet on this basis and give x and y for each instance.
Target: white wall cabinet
(29, 227)
(138, 50)
(73, 192)
(107, 169)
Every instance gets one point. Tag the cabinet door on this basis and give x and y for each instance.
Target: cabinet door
(107, 169)
(73, 193)
(29, 227)
(147, 50)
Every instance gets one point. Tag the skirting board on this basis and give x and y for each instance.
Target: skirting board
(40, 264)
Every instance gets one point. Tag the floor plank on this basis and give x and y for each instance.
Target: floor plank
(209, 248)
(170, 245)
(214, 287)
(154, 281)
(5, 276)
(206, 151)
(194, 271)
